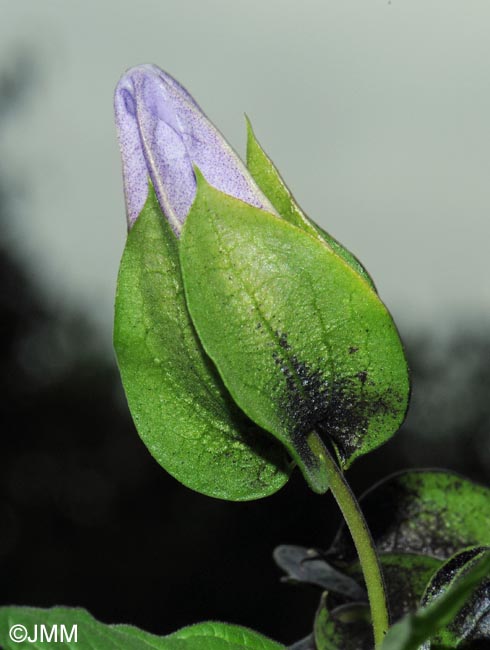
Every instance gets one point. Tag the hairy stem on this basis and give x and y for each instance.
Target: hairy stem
(364, 544)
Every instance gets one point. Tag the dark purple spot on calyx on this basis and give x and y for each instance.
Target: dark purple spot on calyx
(129, 102)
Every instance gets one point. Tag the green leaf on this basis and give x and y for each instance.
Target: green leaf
(180, 407)
(427, 512)
(232, 635)
(347, 627)
(303, 344)
(416, 629)
(273, 186)
(406, 576)
(93, 635)
(473, 622)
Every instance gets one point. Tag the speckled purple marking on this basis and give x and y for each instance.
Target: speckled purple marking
(162, 132)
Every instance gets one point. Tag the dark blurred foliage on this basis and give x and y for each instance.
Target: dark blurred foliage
(89, 519)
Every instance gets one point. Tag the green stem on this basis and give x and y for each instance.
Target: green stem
(364, 544)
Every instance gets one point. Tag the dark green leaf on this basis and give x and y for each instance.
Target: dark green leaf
(303, 344)
(427, 512)
(92, 635)
(416, 629)
(406, 576)
(273, 186)
(472, 624)
(347, 627)
(178, 402)
(306, 566)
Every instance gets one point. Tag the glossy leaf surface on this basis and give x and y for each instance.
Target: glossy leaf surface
(98, 636)
(303, 344)
(416, 629)
(273, 186)
(178, 402)
(429, 512)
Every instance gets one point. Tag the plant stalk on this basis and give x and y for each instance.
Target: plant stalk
(365, 548)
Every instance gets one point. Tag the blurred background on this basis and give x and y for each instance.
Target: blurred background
(377, 115)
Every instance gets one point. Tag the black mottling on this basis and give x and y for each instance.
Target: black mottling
(353, 350)
(402, 580)
(449, 571)
(338, 410)
(400, 520)
(402, 596)
(362, 376)
(472, 623)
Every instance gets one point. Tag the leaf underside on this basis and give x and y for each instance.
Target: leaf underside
(303, 344)
(179, 404)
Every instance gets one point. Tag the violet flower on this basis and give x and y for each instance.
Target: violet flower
(162, 134)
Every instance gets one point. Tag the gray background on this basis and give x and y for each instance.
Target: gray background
(377, 114)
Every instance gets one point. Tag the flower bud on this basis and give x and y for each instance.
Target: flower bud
(162, 134)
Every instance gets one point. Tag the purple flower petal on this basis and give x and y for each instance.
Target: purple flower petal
(162, 133)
